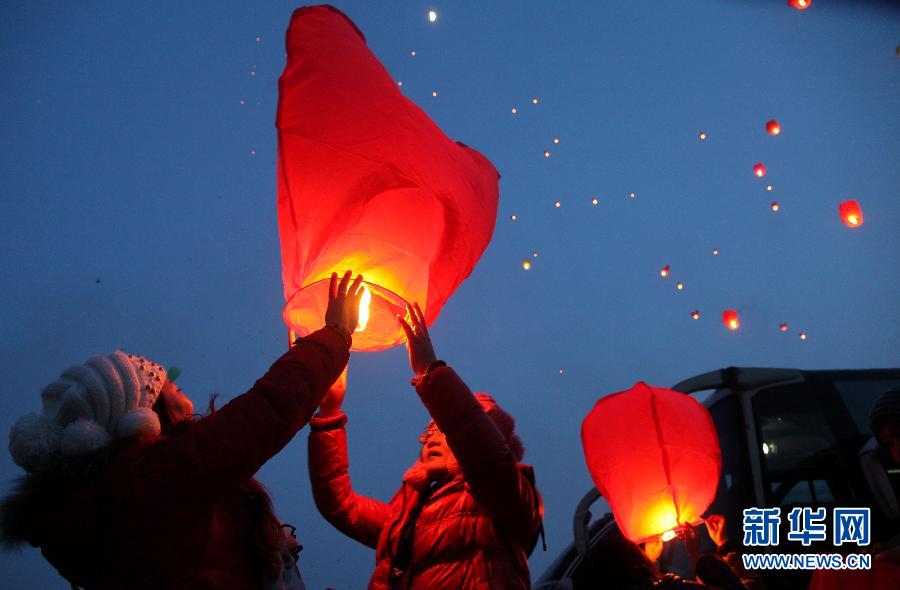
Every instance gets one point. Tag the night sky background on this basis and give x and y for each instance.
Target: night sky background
(138, 211)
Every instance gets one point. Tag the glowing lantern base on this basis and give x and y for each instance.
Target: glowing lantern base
(851, 213)
(381, 329)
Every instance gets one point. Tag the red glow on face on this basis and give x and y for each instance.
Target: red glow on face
(851, 213)
(665, 271)
(759, 170)
(730, 319)
(800, 4)
(773, 127)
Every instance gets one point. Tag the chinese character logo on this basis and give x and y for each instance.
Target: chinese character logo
(851, 525)
(761, 526)
(807, 525)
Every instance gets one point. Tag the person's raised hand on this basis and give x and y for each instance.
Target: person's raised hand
(418, 342)
(715, 526)
(331, 403)
(343, 302)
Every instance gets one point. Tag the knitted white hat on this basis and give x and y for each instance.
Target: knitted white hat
(107, 398)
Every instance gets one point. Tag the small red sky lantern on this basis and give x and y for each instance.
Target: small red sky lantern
(654, 455)
(695, 314)
(851, 213)
(773, 127)
(800, 4)
(783, 327)
(759, 169)
(730, 319)
(368, 183)
(664, 272)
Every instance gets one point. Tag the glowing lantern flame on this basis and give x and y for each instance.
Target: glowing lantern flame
(364, 302)
(851, 213)
(730, 319)
(783, 327)
(695, 315)
(665, 271)
(800, 4)
(702, 135)
(526, 264)
(594, 201)
(775, 206)
(654, 455)
(802, 335)
(759, 170)
(668, 536)
(773, 127)
(679, 286)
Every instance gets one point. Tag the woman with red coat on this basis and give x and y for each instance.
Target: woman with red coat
(467, 514)
(125, 490)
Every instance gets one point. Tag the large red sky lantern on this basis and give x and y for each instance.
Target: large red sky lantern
(654, 455)
(759, 169)
(773, 127)
(367, 182)
(851, 213)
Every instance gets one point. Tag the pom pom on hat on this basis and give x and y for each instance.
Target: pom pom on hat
(504, 422)
(83, 436)
(34, 440)
(139, 423)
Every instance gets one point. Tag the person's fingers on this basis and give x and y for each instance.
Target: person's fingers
(355, 288)
(411, 317)
(420, 317)
(332, 287)
(410, 335)
(342, 288)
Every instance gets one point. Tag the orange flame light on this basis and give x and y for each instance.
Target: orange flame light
(665, 271)
(799, 4)
(730, 319)
(759, 169)
(773, 127)
(851, 213)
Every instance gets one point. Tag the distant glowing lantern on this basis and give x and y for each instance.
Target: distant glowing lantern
(434, 93)
(631, 195)
(557, 204)
(759, 169)
(560, 370)
(679, 286)
(769, 187)
(702, 135)
(432, 16)
(358, 165)
(534, 101)
(800, 4)
(546, 154)
(802, 335)
(730, 319)
(715, 251)
(535, 254)
(555, 140)
(851, 213)
(526, 264)
(695, 315)
(515, 110)
(413, 53)
(783, 327)
(594, 201)
(775, 206)
(654, 455)
(664, 272)
(773, 127)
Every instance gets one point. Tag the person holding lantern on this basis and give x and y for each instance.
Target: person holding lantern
(126, 490)
(467, 514)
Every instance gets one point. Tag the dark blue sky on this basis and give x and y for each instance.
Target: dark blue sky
(135, 213)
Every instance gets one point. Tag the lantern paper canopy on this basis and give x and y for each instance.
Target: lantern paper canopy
(654, 455)
(773, 127)
(368, 183)
(851, 213)
(759, 170)
(730, 319)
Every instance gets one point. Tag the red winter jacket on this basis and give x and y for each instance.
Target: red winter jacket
(474, 532)
(168, 513)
